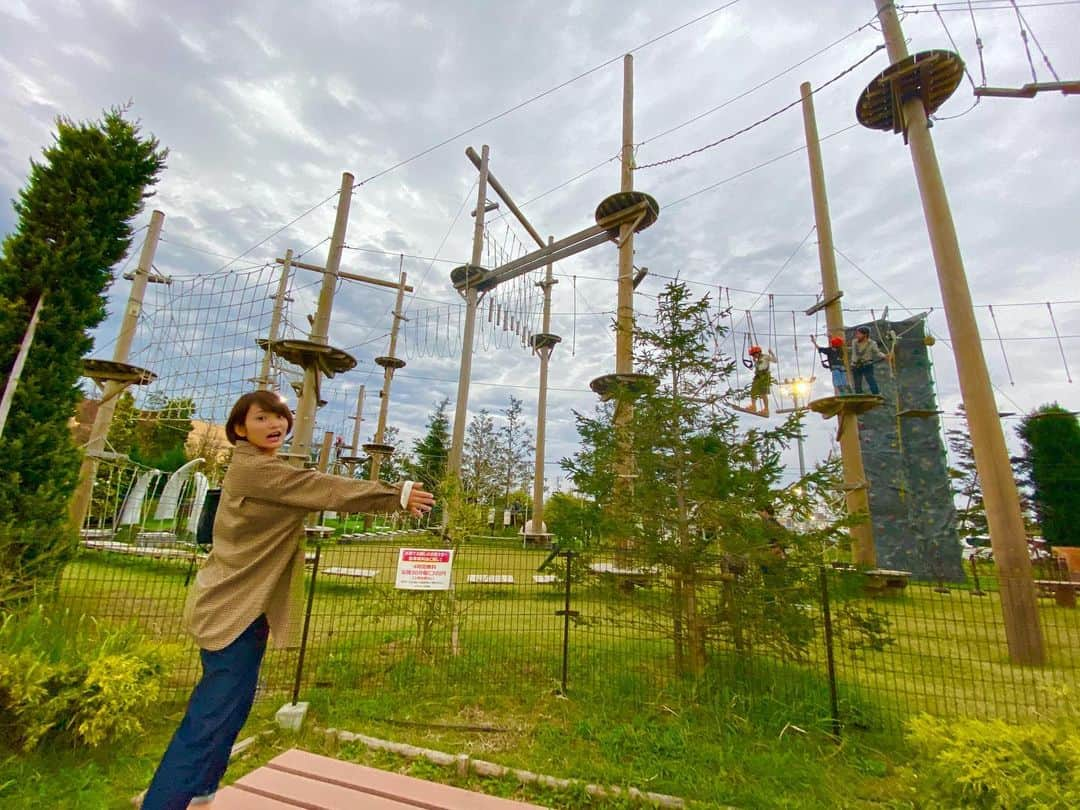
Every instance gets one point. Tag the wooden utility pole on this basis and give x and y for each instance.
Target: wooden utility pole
(544, 343)
(390, 364)
(624, 327)
(99, 431)
(357, 419)
(457, 439)
(20, 361)
(1000, 497)
(624, 317)
(320, 327)
(264, 381)
(855, 485)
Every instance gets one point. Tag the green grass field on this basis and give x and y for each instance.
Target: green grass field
(415, 668)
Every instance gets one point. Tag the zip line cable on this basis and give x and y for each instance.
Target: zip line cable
(761, 121)
(545, 93)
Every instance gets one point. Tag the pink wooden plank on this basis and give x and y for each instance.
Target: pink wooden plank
(417, 792)
(231, 798)
(312, 793)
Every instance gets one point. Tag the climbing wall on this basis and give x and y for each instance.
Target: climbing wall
(911, 499)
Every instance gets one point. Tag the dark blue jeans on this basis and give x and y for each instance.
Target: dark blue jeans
(198, 755)
(865, 372)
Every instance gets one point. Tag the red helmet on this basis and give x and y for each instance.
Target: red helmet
(754, 350)
(836, 342)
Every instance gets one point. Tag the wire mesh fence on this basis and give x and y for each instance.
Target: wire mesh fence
(838, 648)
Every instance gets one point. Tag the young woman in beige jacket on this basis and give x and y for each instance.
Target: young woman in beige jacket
(250, 587)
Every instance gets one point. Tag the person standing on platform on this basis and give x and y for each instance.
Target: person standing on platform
(761, 362)
(863, 354)
(832, 358)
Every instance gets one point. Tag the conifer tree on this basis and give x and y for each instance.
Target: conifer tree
(1051, 436)
(431, 452)
(702, 504)
(73, 227)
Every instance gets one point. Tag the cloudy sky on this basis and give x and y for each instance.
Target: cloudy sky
(264, 105)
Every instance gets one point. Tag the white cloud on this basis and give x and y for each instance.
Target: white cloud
(264, 105)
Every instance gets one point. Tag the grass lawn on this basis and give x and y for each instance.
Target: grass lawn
(714, 754)
(479, 675)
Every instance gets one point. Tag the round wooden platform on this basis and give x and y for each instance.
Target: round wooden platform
(376, 449)
(471, 275)
(112, 371)
(611, 386)
(309, 354)
(932, 76)
(544, 340)
(390, 362)
(611, 213)
(846, 404)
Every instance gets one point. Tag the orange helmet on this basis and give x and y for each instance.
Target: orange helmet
(754, 350)
(836, 342)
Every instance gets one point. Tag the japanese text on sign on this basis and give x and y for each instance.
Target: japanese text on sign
(424, 569)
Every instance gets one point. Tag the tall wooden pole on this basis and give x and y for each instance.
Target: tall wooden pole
(320, 328)
(624, 334)
(355, 448)
(855, 485)
(20, 361)
(99, 431)
(264, 381)
(624, 318)
(541, 406)
(1000, 497)
(388, 376)
(457, 440)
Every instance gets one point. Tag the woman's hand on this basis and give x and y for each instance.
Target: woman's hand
(420, 501)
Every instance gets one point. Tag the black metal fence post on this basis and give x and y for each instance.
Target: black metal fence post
(566, 624)
(834, 703)
(307, 623)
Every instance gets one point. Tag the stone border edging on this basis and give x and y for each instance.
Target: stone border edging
(463, 763)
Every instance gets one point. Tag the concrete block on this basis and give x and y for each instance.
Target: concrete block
(291, 715)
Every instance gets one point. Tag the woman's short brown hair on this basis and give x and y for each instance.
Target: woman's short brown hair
(267, 400)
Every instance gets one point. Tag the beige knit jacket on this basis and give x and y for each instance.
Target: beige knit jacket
(257, 563)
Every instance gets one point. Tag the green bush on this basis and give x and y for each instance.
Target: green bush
(74, 680)
(992, 764)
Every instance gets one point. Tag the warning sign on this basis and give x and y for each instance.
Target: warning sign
(424, 569)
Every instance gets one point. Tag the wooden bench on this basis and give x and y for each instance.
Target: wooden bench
(299, 779)
(882, 580)
(545, 579)
(155, 552)
(318, 532)
(375, 536)
(353, 573)
(1063, 590)
(490, 579)
(627, 578)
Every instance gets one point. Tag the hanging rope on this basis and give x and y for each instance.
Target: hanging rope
(956, 48)
(1024, 36)
(1046, 59)
(795, 345)
(573, 334)
(1061, 348)
(1001, 343)
(978, 43)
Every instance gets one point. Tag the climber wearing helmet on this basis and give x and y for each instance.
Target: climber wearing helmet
(863, 353)
(832, 358)
(760, 362)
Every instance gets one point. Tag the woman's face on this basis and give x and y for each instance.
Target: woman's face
(264, 430)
